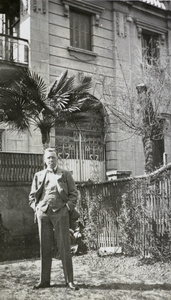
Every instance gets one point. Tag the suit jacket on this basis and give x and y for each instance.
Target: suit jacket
(65, 185)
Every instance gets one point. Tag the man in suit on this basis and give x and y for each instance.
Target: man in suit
(53, 196)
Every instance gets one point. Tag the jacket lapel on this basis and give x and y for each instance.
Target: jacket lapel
(59, 173)
(60, 184)
(40, 188)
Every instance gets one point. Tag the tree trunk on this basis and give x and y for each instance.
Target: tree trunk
(45, 146)
(45, 137)
(148, 152)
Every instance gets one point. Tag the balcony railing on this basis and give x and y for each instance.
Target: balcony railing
(13, 49)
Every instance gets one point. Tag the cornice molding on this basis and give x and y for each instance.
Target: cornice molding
(84, 6)
(150, 27)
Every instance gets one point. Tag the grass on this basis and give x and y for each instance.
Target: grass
(99, 278)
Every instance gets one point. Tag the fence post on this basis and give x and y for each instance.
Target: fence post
(164, 159)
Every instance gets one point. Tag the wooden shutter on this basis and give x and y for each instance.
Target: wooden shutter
(80, 30)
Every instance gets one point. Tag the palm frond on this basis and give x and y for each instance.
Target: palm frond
(14, 114)
(17, 108)
(67, 86)
(57, 85)
(84, 86)
(32, 85)
(33, 79)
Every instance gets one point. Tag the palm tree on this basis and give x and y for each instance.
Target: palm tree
(26, 100)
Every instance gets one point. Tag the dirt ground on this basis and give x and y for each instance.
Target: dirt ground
(99, 278)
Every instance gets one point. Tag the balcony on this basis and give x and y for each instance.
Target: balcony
(14, 50)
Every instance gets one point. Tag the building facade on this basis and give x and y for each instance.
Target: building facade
(101, 39)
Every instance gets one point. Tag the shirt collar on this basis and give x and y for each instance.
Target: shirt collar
(52, 170)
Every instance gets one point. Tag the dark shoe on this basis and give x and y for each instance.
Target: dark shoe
(72, 286)
(41, 285)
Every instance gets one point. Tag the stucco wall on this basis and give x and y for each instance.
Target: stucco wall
(17, 216)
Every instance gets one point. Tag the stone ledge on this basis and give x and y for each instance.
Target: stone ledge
(81, 54)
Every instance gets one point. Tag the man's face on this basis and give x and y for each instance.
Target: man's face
(50, 159)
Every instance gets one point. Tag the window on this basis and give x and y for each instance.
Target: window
(150, 47)
(9, 17)
(80, 30)
(158, 150)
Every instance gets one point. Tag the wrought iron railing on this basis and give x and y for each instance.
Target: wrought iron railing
(14, 49)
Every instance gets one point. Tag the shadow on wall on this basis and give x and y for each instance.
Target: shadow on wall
(17, 248)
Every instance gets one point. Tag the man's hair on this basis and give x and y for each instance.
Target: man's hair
(52, 150)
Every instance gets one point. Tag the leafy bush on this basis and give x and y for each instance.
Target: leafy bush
(138, 227)
(92, 223)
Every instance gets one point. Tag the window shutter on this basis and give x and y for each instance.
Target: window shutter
(80, 30)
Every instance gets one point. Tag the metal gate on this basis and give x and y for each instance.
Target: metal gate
(82, 153)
